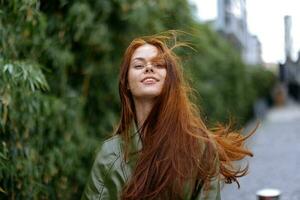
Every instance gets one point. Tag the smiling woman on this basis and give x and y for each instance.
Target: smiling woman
(162, 148)
(146, 74)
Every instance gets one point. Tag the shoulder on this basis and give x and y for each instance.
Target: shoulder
(109, 150)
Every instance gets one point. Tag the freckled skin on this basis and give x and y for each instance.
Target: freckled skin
(140, 68)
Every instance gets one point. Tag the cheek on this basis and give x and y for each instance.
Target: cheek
(132, 78)
(163, 75)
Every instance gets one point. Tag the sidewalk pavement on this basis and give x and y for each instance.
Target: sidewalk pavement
(276, 161)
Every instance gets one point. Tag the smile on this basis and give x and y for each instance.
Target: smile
(150, 80)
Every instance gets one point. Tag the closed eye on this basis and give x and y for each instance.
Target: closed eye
(138, 66)
(158, 65)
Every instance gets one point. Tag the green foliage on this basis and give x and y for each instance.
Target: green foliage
(59, 65)
(42, 138)
(262, 80)
(226, 88)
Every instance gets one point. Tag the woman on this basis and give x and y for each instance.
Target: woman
(161, 149)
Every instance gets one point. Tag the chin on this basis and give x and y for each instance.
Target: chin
(149, 94)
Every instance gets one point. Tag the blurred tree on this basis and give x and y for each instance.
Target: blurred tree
(59, 65)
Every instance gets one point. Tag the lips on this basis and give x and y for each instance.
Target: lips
(150, 79)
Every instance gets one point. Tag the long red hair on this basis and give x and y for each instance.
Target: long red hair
(178, 150)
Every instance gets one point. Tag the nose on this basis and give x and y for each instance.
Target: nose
(148, 68)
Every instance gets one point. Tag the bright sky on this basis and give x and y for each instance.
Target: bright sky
(265, 20)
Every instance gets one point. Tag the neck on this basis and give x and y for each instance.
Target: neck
(142, 108)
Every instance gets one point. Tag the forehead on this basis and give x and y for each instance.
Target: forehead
(146, 51)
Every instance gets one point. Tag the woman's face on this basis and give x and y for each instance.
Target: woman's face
(147, 73)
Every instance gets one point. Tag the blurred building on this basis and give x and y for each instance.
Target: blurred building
(289, 71)
(288, 37)
(231, 22)
(252, 54)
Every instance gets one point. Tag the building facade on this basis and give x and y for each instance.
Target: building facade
(231, 22)
(289, 71)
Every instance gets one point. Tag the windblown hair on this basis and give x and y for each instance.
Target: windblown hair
(178, 149)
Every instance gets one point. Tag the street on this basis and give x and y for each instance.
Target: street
(276, 161)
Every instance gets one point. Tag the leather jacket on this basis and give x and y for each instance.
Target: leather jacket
(110, 172)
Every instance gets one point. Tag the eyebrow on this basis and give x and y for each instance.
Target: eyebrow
(143, 59)
(139, 58)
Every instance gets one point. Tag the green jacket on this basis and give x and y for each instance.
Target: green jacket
(110, 172)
